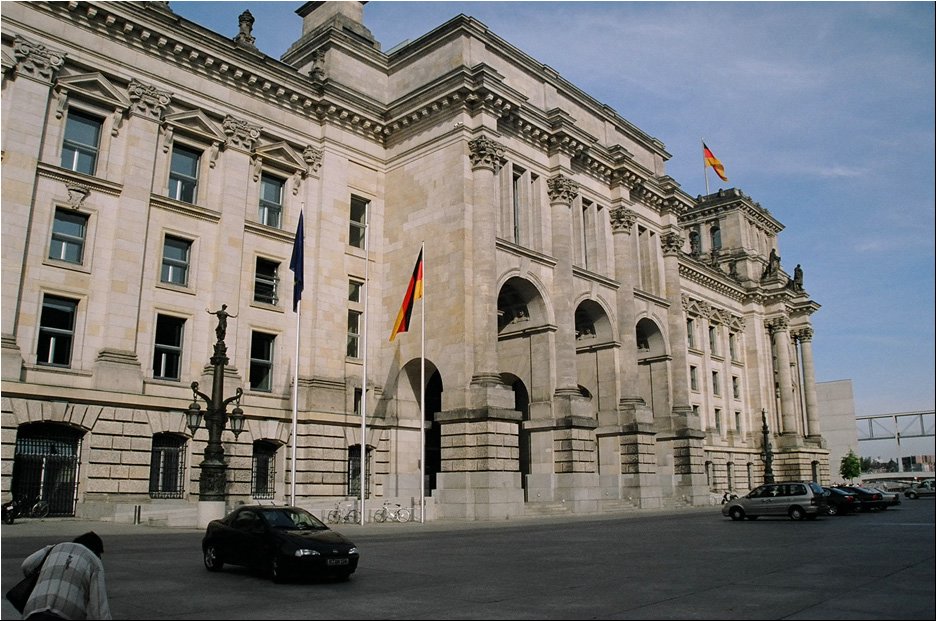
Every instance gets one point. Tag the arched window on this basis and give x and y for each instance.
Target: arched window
(716, 237)
(263, 471)
(167, 466)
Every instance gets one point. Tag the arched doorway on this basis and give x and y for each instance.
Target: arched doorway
(433, 433)
(45, 465)
(652, 367)
(522, 405)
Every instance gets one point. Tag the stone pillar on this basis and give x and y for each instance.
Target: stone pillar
(779, 328)
(622, 223)
(676, 324)
(562, 191)
(27, 91)
(486, 386)
(804, 336)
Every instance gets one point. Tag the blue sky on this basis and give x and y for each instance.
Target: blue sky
(821, 112)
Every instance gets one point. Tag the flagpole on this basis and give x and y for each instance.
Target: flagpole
(295, 400)
(422, 395)
(704, 167)
(364, 368)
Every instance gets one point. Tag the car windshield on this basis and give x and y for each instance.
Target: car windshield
(292, 519)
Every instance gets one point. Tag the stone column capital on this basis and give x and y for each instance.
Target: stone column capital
(36, 60)
(672, 243)
(622, 220)
(486, 154)
(561, 189)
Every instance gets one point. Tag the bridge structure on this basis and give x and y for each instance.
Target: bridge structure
(898, 426)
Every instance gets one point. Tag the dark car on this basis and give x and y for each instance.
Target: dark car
(281, 542)
(840, 502)
(868, 499)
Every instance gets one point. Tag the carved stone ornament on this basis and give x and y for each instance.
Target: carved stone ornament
(561, 189)
(36, 60)
(77, 194)
(147, 99)
(803, 334)
(240, 133)
(672, 243)
(486, 153)
(313, 158)
(317, 71)
(622, 220)
(778, 324)
(245, 24)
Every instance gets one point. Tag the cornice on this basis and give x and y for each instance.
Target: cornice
(712, 205)
(704, 277)
(73, 179)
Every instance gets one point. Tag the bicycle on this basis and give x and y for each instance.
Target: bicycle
(347, 514)
(20, 507)
(393, 512)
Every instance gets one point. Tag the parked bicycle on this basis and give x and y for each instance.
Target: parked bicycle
(344, 512)
(393, 512)
(21, 507)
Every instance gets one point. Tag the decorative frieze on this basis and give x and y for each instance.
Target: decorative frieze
(240, 133)
(148, 100)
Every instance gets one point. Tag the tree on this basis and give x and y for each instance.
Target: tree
(851, 466)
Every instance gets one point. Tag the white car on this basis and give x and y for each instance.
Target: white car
(923, 488)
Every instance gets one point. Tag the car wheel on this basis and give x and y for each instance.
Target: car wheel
(797, 513)
(912, 495)
(832, 510)
(736, 513)
(213, 560)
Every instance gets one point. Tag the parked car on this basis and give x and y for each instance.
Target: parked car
(923, 488)
(868, 499)
(891, 499)
(840, 502)
(796, 500)
(281, 542)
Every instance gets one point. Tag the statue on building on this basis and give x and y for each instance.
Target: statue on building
(798, 278)
(245, 29)
(773, 264)
(695, 243)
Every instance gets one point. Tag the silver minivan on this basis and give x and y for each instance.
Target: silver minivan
(795, 499)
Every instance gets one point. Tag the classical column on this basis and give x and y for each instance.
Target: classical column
(804, 336)
(672, 245)
(562, 191)
(622, 223)
(486, 160)
(780, 329)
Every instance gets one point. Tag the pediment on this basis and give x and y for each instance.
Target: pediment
(96, 87)
(195, 123)
(281, 154)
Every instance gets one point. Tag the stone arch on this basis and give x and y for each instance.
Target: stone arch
(525, 336)
(595, 351)
(653, 374)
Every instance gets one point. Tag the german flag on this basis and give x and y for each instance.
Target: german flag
(711, 160)
(413, 292)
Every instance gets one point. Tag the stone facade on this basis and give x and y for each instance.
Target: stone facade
(596, 339)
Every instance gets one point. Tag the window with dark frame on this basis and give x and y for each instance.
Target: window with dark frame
(261, 361)
(354, 471)
(175, 261)
(694, 378)
(68, 236)
(271, 200)
(358, 224)
(690, 333)
(354, 334)
(716, 390)
(56, 331)
(167, 350)
(266, 281)
(82, 142)
(183, 173)
(167, 466)
(263, 472)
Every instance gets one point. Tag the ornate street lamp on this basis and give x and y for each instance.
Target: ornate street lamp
(768, 453)
(211, 482)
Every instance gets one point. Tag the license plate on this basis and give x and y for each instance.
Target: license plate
(337, 561)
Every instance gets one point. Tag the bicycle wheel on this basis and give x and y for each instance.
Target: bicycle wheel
(353, 516)
(40, 509)
(403, 515)
(380, 515)
(333, 516)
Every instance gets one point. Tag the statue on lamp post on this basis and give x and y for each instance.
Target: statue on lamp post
(768, 452)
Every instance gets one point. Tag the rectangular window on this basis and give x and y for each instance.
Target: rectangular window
(266, 281)
(175, 261)
(354, 334)
(737, 422)
(68, 236)
(357, 401)
(354, 290)
(690, 333)
(516, 202)
(271, 200)
(736, 386)
(357, 227)
(694, 378)
(263, 473)
(718, 421)
(354, 471)
(183, 174)
(167, 350)
(713, 339)
(167, 466)
(82, 142)
(261, 361)
(732, 346)
(56, 330)
(715, 389)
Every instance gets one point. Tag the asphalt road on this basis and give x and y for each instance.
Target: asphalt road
(688, 564)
